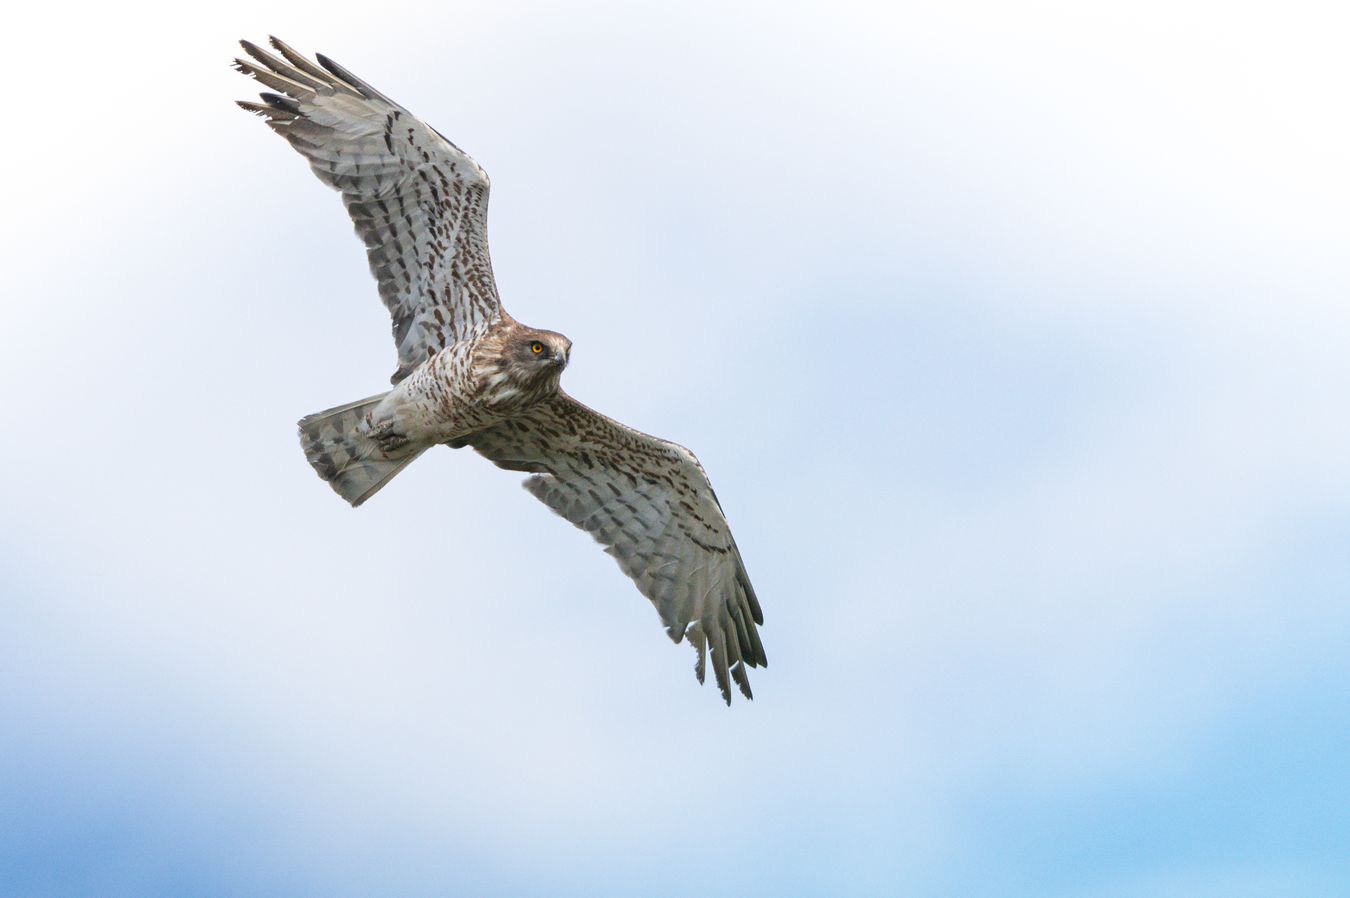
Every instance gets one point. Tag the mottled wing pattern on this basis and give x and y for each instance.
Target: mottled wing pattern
(417, 200)
(649, 502)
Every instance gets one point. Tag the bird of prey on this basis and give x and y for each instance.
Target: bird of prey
(471, 375)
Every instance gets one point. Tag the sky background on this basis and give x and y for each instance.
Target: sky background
(1013, 336)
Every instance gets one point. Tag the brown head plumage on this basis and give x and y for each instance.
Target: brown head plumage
(516, 366)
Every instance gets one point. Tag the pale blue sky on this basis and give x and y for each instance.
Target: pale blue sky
(1014, 338)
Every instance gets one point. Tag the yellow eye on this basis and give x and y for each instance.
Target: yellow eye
(536, 347)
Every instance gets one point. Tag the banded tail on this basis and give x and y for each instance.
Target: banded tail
(338, 445)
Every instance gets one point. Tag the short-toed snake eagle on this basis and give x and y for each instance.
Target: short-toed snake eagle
(471, 375)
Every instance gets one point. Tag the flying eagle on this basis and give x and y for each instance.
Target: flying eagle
(471, 375)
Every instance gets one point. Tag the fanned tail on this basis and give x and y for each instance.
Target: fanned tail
(338, 445)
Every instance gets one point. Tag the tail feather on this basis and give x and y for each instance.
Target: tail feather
(338, 445)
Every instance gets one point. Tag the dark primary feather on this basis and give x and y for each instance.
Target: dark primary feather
(300, 62)
(296, 75)
(362, 87)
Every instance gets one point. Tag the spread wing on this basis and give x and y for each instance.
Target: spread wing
(649, 502)
(418, 201)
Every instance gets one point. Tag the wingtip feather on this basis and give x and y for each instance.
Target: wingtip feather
(298, 60)
(285, 104)
(700, 644)
(742, 680)
(351, 81)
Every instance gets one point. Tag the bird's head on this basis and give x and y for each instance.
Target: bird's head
(519, 365)
(539, 353)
